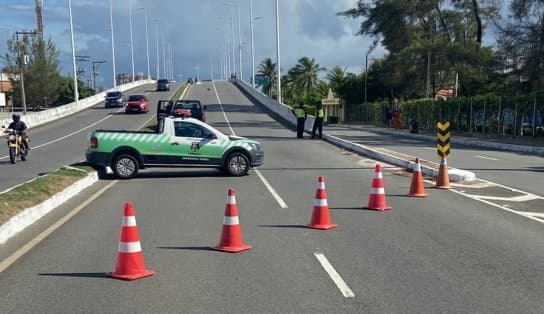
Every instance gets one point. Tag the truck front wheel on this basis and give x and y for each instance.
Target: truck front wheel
(125, 166)
(237, 164)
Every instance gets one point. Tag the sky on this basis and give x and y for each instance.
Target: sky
(197, 31)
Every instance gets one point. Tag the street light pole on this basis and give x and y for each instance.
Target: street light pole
(112, 47)
(239, 40)
(146, 45)
(278, 50)
(131, 39)
(252, 44)
(95, 74)
(157, 40)
(76, 92)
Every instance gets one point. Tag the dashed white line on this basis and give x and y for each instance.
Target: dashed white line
(488, 158)
(336, 278)
(272, 191)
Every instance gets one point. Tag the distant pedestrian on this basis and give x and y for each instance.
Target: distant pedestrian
(301, 115)
(396, 120)
(318, 122)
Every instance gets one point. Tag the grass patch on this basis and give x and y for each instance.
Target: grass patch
(40, 189)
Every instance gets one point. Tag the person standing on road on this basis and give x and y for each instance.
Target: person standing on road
(318, 122)
(301, 115)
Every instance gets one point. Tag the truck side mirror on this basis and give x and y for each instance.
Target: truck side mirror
(205, 107)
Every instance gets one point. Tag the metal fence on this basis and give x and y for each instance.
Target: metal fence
(486, 115)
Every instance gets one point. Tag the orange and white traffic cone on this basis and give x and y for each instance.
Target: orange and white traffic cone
(231, 235)
(443, 179)
(320, 216)
(416, 188)
(130, 258)
(377, 200)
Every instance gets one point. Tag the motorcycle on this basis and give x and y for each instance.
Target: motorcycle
(16, 145)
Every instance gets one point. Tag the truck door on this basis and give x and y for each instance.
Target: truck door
(164, 107)
(194, 144)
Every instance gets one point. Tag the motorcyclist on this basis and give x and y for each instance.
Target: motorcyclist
(19, 126)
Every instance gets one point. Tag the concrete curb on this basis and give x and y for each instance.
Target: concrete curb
(30, 215)
(284, 112)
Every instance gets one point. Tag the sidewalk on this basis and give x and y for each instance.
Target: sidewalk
(525, 144)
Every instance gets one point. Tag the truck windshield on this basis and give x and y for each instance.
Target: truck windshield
(187, 105)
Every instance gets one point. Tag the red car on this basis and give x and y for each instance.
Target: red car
(137, 103)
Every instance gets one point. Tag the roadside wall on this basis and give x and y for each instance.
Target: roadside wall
(34, 119)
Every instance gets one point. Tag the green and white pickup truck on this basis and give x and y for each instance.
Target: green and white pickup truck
(177, 142)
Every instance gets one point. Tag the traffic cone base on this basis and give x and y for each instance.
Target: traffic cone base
(231, 234)
(377, 200)
(416, 187)
(232, 249)
(320, 215)
(144, 273)
(130, 258)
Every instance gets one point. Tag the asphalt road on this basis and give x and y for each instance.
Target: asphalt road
(64, 141)
(442, 254)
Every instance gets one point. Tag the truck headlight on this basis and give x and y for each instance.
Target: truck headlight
(255, 146)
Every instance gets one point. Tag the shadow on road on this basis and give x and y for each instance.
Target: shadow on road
(170, 174)
(81, 275)
(190, 248)
(284, 226)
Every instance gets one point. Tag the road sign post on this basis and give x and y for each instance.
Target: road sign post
(443, 136)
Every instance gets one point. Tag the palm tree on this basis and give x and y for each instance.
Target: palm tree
(305, 73)
(268, 69)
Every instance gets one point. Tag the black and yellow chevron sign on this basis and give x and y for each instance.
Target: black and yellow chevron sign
(443, 136)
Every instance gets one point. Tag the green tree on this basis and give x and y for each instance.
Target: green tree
(41, 74)
(268, 69)
(335, 76)
(522, 42)
(305, 74)
(442, 36)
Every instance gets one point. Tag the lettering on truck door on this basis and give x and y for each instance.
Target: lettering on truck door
(194, 144)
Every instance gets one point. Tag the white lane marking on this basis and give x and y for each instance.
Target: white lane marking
(512, 189)
(36, 240)
(340, 283)
(488, 158)
(68, 135)
(523, 214)
(534, 214)
(429, 148)
(272, 191)
(223, 111)
(259, 174)
(520, 198)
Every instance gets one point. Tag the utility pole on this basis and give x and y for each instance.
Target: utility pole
(428, 87)
(22, 62)
(95, 74)
(366, 73)
(278, 50)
